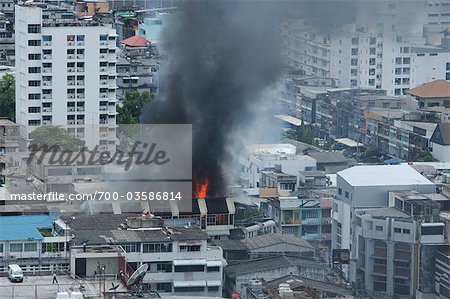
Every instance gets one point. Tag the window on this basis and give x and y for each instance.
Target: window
(398, 81)
(34, 70)
(80, 51)
(397, 230)
(70, 51)
(103, 37)
(34, 109)
(371, 82)
(354, 51)
(34, 43)
(213, 269)
(346, 194)
(447, 67)
(373, 40)
(47, 52)
(213, 289)
(188, 289)
(372, 61)
(406, 60)
(373, 51)
(71, 38)
(398, 60)
(371, 72)
(34, 122)
(190, 268)
(378, 228)
(46, 38)
(30, 247)
(354, 41)
(15, 247)
(103, 51)
(164, 287)
(340, 191)
(447, 76)
(34, 83)
(354, 61)
(163, 247)
(34, 96)
(354, 72)
(133, 247)
(80, 38)
(188, 248)
(34, 28)
(34, 56)
(398, 71)
(432, 230)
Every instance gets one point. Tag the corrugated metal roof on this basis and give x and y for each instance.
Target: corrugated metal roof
(15, 228)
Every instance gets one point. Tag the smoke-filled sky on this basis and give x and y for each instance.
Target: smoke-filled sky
(223, 58)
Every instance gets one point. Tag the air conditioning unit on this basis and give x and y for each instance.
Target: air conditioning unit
(80, 83)
(70, 56)
(70, 70)
(46, 83)
(71, 83)
(71, 122)
(70, 109)
(71, 96)
(45, 109)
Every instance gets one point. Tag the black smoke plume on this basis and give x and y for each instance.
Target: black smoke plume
(221, 56)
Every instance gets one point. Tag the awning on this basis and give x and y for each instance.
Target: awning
(198, 283)
(214, 264)
(214, 283)
(188, 262)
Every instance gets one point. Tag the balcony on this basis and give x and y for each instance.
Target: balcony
(103, 108)
(80, 69)
(71, 83)
(46, 110)
(103, 95)
(71, 96)
(80, 56)
(71, 43)
(80, 96)
(71, 70)
(46, 96)
(103, 82)
(103, 69)
(71, 56)
(402, 272)
(46, 57)
(80, 43)
(103, 56)
(47, 44)
(46, 70)
(46, 122)
(103, 42)
(70, 109)
(80, 122)
(80, 109)
(80, 83)
(47, 83)
(70, 122)
(103, 121)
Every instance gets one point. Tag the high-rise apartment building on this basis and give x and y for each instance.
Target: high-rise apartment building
(65, 74)
(387, 50)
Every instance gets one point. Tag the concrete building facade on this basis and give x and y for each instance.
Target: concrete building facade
(57, 55)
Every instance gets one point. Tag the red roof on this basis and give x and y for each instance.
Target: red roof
(434, 89)
(136, 41)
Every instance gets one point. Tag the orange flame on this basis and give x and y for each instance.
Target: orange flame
(201, 189)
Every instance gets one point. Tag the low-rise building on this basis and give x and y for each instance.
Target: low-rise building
(266, 245)
(37, 243)
(239, 276)
(179, 259)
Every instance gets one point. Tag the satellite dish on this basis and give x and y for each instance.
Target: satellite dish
(137, 276)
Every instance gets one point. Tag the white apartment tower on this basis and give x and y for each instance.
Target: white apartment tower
(65, 74)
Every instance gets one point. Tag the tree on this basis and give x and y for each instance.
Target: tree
(7, 97)
(133, 104)
(371, 152)
(48, 136)
(425, 156)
